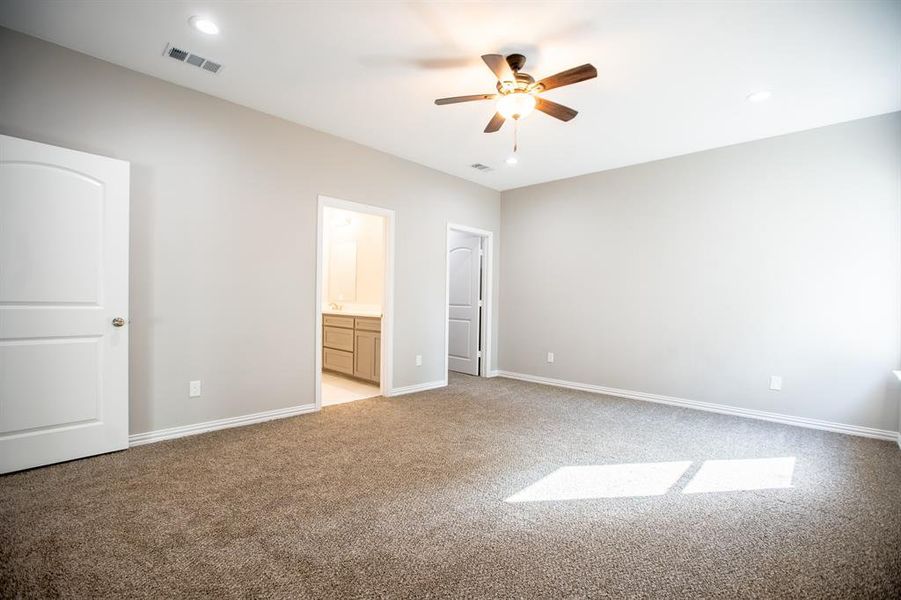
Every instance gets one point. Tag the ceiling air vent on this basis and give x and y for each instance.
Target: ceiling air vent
(480, 167)
(176, 53)
(185, 56)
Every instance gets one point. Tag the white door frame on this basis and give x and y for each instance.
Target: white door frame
(387, 346)
(487, 299)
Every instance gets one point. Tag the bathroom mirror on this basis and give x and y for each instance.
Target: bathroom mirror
(342, 272)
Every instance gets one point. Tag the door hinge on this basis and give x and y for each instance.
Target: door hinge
(481, 252)
(479, 354)
(480, 303)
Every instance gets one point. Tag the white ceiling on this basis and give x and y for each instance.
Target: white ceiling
(673, 76)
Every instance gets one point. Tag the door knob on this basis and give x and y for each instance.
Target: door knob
(118, 322)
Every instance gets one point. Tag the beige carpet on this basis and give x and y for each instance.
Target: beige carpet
(405, 498)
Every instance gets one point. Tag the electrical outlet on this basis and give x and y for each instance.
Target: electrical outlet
(419, 360)
(194, 389)
(550, 357)
(776, 382)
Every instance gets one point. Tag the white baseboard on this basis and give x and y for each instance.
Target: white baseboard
(881, 434)
(185, 430)
(493, 373)
(419, 387)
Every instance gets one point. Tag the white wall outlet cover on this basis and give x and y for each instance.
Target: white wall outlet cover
(550, 357)
(776, 382)
(194, 389)
(419, 360)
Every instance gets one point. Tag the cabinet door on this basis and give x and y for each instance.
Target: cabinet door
(377, 367)
(364, 354)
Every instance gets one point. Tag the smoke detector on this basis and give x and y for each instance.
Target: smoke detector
(186, 56)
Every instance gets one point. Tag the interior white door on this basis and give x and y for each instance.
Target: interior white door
(63, 281)
(463, 311)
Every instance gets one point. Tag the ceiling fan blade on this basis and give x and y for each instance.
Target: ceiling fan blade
(457, 99)
(495, 123)
(498, 65)
(574, 75)
(558, 111)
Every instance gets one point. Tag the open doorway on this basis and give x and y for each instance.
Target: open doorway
(353, 301)
(468, 317)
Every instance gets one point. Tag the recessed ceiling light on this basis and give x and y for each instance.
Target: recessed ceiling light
(512, 160)
(759, 96)
(204, 25)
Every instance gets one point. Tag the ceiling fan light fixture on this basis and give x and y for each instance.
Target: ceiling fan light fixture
(516, 105)
(518, 92)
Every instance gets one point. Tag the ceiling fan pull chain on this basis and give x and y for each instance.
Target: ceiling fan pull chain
(515, 135)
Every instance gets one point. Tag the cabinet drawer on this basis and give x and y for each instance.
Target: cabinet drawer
(338, 360)
(337, 321)
(337, 338)
(368, 323)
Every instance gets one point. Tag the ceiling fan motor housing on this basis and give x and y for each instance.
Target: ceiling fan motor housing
(516, 61)
(523, 83)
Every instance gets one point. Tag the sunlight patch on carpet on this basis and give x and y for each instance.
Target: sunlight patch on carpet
(635, 480)
(604, 481)
(742, 474)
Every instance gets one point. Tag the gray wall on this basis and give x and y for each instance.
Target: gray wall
(702, 275)
(698, 276)
(223, 230)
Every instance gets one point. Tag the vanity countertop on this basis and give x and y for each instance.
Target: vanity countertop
(352, 313)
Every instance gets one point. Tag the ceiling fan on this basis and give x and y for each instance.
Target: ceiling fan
(518, 93)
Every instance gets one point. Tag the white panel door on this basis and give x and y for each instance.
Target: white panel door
(63, 281)
(464, 276)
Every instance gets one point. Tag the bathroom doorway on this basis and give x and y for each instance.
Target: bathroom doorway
(353, 301)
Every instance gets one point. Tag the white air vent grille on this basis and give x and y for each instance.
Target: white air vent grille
(480, 167)
(186, 56)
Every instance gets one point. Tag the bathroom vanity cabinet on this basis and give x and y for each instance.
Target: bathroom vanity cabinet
(351, 345)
